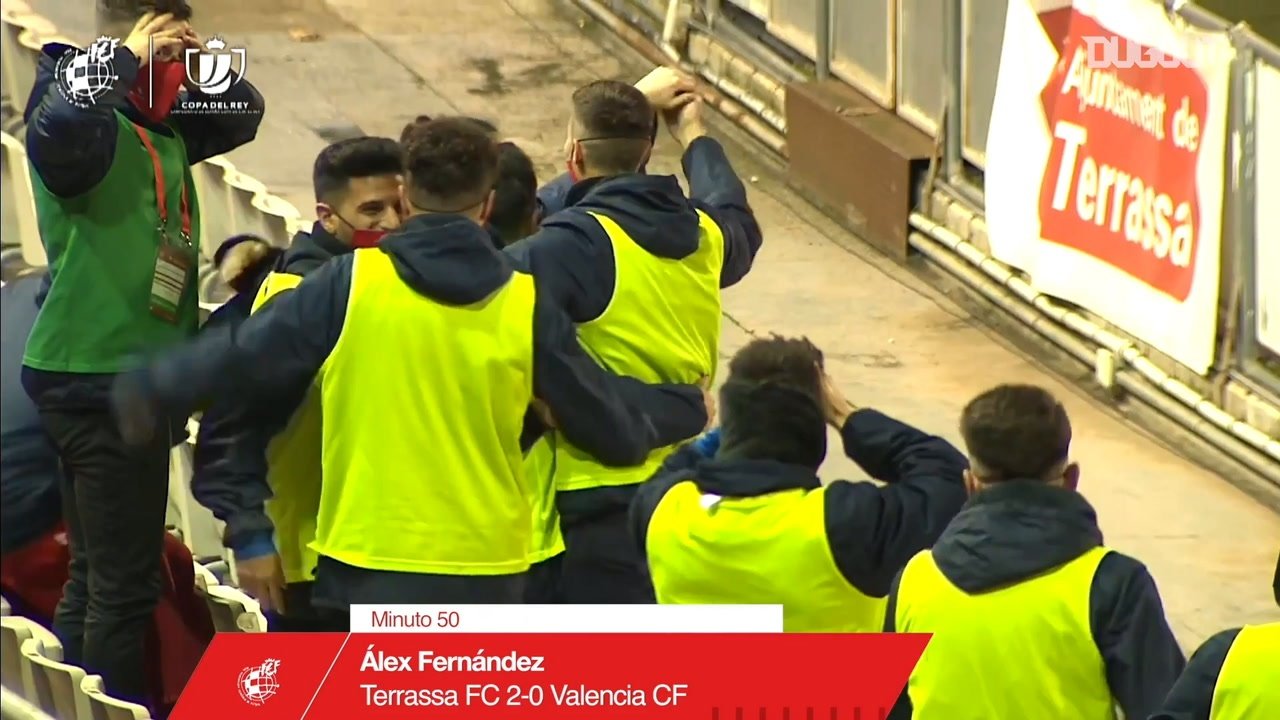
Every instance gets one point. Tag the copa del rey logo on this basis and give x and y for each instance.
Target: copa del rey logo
(257, 683)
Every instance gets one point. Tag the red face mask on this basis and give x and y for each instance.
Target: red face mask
(155, 98)
(367, 238)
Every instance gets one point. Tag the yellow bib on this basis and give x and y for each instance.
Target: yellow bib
(424, 404)
(662, 326)
(1248, 686)
(770, 549)
(1024, 651)
(293, 467)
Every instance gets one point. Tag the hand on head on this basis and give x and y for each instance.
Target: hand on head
(159, 33)
(835, 407)
(666, 87)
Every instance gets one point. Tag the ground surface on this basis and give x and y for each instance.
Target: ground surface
(893, 342)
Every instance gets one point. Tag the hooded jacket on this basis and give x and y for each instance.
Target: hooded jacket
(1014, 531)
(73, 147)
(449, 259)
(572, 256)
(772, 441)
(571, 253)
(30, 504)
(230, 464)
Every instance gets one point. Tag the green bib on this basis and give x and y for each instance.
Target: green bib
(767, 550)
(293, 467)
(662, 326)
(423, 408)
(1249, 683)
(1024, 651)
(102, 248)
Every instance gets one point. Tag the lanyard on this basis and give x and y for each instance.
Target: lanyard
(162, 206)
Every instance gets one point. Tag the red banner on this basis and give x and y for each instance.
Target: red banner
(559, 677)
(1121, 180)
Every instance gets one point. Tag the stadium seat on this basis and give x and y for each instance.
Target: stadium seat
(205, 578)
(12, 635)
(105, 707)
(14, 632)
(233, 611)
(15, 707)
(19, 196)
(55, 685)
(5, 607)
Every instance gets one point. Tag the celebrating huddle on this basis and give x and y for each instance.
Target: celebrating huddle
(458, 387)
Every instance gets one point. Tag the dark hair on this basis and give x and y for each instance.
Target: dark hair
(129, 11)
(1016, 432)
(795, 363)
(424, 119)
(451, 164)
(413, 125)
(616, 123)
(357, 157)
(515, 193)
(771, 404)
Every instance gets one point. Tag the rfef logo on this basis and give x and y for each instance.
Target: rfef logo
(257, 683)
(85, 75)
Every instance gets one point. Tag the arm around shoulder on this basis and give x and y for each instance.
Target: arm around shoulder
(595, 409)
(1141, 655)
(278, 349)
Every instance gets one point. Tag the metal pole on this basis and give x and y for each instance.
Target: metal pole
(1244, 208)
(712, 12)
(822, 35)
(953, 69)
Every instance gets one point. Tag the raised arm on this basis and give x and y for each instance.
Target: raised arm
(207, 135)
(71, 148)
(875, 530)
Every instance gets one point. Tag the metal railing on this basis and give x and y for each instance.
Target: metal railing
(943, 57)
(935, 63)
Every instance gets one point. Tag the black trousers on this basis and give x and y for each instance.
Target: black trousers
(301, 616)
(601, 564)
(114, 498)
(543, 584)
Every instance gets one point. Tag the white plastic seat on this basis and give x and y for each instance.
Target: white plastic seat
(233, 611)
(16, 630)
(205, 578)
(56, 685)
(104, 707)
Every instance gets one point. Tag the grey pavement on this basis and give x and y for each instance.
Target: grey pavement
(894, 342)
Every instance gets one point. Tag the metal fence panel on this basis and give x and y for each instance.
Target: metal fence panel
(1266, 235)
(921, 70)
(795, 22)
(759, 8)
(862, 46)
(983, 39)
